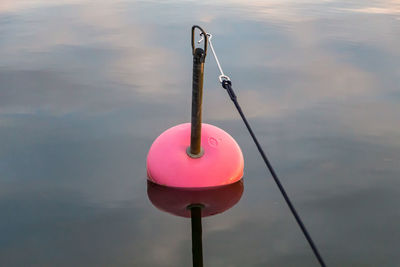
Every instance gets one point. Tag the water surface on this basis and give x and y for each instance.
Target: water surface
(86, 86)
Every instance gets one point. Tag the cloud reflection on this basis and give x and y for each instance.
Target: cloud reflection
(86, 87)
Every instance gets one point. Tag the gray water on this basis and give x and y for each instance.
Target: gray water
(86, 86)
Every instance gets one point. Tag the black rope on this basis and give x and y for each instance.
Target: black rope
(228, 86)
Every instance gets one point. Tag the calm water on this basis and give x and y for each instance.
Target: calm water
(86, 86)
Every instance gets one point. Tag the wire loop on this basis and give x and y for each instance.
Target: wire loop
(221, 77)
(202, 33)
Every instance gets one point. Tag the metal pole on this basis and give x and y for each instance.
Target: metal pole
(197, 98)
(197, 243)
(199, 56)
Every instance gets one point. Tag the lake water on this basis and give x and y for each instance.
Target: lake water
(86, 86)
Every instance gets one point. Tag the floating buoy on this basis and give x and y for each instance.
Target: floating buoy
(195, 155)
(169, 164)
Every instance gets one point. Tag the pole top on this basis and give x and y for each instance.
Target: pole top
(204, 35)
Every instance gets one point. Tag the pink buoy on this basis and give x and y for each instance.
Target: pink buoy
(169, 164)
(195, 155)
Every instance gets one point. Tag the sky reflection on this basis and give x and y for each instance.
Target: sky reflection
(87, 86)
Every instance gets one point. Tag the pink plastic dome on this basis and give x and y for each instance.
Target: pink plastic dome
(168, 163)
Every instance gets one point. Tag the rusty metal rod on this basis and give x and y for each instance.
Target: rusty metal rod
(197, 98)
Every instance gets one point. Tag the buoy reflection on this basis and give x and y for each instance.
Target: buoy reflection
(176, 200)
(195, 204)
